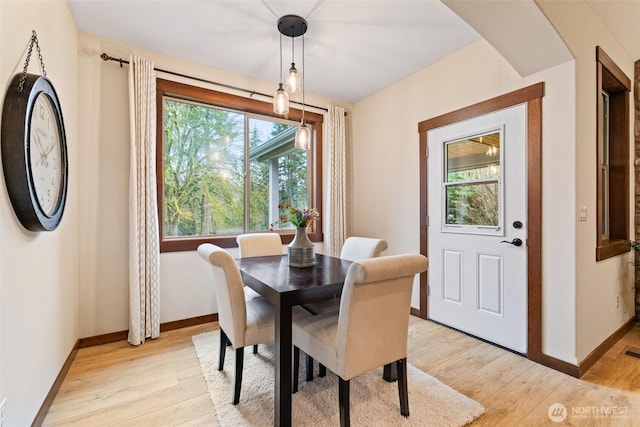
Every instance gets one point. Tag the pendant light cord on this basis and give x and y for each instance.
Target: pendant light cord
(281, 75)
(303, 71)
(293, 57)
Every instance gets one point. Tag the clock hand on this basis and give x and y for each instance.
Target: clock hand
(38, 143)
(43, 156)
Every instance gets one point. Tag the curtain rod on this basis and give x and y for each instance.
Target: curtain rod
(106, 57)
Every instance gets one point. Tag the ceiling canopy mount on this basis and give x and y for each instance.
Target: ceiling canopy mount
(292, 25)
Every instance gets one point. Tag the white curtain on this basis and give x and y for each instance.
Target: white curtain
(336, 212)
(144, 246)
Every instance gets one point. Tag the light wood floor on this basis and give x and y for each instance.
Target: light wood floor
(160, 384)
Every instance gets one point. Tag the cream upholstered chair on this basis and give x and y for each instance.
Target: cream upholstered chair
(258, 244)
(242, 322)
(370, 330)
(358, 248)
(353, 249)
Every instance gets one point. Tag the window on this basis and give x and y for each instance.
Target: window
(613, 158)
(224, 165)
(472, 184)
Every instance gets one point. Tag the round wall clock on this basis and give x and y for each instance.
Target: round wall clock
(34, 152)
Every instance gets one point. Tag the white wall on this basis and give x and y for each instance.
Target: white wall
(598, 284)
(38, 271)
(386, 177)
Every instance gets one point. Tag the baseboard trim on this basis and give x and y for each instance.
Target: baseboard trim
(184, 323)
(581, 368)
(164, 327)
(106, 339)
(103, 339)
(53, 391)
(559, 365)
(415, 312)
(600, 350)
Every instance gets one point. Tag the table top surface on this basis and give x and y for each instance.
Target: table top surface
(271, 277)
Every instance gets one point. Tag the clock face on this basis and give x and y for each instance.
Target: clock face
(45, 154)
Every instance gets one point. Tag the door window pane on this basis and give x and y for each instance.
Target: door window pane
(472, 204)
(471, 184)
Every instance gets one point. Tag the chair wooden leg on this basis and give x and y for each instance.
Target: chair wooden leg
(403, 392)
(223, 349)
(309, 368)
(296, 363)
(322, 370)
(238, 377)
(255, 349)
(390, 372)
(343, 398)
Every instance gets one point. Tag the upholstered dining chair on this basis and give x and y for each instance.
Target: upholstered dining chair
(353, 249)
(242, 322)
(258, 244)
(370, 330)
(358, 248)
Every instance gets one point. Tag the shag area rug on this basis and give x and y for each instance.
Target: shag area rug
(374, 402)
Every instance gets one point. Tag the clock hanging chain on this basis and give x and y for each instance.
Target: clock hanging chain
(34, 39)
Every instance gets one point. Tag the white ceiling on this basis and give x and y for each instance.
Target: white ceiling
(353, 48)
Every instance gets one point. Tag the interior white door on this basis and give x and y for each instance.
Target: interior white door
(477, 226)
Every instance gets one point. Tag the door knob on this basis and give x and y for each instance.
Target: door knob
(514, 242)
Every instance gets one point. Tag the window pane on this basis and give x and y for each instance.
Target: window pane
(203, 170)
(278, 172)
(473, 158)
(604, 225)
(294, 181)
(605, 128)
(472, 204)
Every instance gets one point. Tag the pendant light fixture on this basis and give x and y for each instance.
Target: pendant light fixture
(294, 26)
(280, 98)
(292, 84)
(303, 134)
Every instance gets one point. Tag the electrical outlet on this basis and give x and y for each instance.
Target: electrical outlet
(3, 406)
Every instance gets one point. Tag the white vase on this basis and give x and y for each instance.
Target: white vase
(301, 251)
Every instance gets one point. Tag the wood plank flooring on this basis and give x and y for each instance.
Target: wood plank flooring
(160, 384)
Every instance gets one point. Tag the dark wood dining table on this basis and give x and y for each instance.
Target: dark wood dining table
(286, 287)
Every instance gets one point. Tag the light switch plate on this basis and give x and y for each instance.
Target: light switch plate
(583, 213)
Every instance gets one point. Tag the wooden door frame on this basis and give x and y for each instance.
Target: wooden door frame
(532, 96)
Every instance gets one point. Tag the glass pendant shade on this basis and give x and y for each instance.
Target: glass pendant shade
(280, 101)
(303, 136)
(293, 80)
